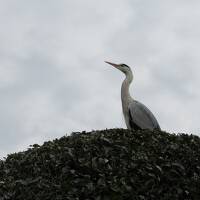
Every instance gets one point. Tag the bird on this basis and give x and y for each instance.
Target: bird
(137, 116)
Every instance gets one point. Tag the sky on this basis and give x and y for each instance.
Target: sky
(53, 79)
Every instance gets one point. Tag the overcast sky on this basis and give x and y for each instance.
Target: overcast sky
(53, 79)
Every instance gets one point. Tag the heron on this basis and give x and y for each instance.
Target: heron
(137, 116)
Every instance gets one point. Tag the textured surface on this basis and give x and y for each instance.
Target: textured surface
(110, 164)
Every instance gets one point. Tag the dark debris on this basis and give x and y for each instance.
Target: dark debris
(105, 165)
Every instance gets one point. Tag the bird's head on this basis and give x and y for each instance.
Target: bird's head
(122, 67)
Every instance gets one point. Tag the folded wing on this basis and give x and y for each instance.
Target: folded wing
(141, 117)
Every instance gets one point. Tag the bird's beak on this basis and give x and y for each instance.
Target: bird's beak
(113, 64)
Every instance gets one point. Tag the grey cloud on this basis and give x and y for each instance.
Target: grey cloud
(53, 79)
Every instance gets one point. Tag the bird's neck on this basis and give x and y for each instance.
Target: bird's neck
(125, 95)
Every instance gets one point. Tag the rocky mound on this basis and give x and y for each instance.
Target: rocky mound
(105, 165)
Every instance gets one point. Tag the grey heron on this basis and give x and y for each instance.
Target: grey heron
(136, 115)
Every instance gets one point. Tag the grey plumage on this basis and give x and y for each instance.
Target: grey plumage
(136, 115)
(141, 117)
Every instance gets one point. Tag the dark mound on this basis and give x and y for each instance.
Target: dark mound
(109, 165)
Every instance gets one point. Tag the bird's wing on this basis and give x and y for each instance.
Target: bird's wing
(141, 117)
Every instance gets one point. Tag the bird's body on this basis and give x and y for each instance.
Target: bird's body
(136, 115)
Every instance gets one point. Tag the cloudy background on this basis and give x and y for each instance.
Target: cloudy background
(53, 79)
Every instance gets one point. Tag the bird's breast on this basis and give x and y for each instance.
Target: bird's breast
(125, 110)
